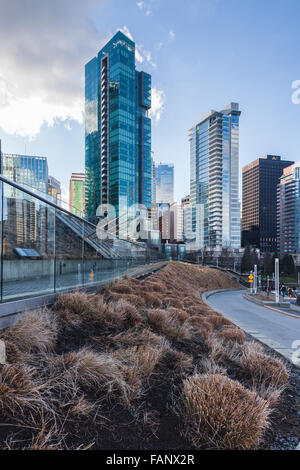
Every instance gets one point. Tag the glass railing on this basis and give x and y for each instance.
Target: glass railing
(46, 249)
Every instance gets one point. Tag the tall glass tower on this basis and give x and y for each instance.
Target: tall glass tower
(164, 178)
(214, 180)
(118, 129)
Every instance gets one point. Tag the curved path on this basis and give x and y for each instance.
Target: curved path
(262, 323)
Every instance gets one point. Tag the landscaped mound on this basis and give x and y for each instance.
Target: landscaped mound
(141, 364)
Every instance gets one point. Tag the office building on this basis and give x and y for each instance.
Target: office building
(188, 235)
(164, 182)
(117, 129)
(176, 222)
(214, 180)
(288, 211)
(26, 170)
(77, 193)
(260, 180)
(54, 189)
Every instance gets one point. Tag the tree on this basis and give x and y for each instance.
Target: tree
(267, 265)
(254, 258)
(225, 257)
(246, 260)
(287, 265)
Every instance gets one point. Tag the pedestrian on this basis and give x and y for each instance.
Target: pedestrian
(269, 291)
(283, 290)
(290, 292)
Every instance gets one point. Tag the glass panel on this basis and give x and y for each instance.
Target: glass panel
(28, 245)
(69, 251)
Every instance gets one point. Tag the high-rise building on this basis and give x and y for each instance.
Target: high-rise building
(54, 188)
(214, 181)
(288, 211)
(164, 182)
(176, 222)
(153, 199)
(260, 180)
(77, 193)
(26, 170)
(117, 129)
(187, 219)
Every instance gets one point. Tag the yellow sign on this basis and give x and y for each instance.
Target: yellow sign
(250, 280)
(250, 277)
(92, 276)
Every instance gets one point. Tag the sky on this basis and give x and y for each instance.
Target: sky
(202, 54)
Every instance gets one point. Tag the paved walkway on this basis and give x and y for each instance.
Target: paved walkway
(273, 328)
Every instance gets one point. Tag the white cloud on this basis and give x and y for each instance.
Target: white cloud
(171, 34)
(158, 99)
(141, 54)
(144, 7)
(44, 46)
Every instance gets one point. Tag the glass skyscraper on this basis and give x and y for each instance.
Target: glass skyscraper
(118, 129)
(164, 177)
(214, 180)
(28, 170)
(288, 211)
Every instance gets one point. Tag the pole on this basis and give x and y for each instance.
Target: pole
(251, 284)
(255, 279)
(277, 280)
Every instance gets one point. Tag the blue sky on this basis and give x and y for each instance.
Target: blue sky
(202, 54)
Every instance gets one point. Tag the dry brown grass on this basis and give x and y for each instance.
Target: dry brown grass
(221, 413)
(142, 338)
(234, 335)
(36, 332)
(18, 394)
(77, 302)
(166, 324)
(97, 372)
(264, 369)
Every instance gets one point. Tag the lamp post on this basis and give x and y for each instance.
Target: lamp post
(277, 280)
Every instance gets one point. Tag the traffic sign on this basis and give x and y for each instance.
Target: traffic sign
(250, 280)
(250, 277)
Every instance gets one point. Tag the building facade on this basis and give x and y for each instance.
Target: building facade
(117, 129)
(214, 180)
(77, 193)
(176, 222)
(288, 211)
(164, 182)
(260, 180)
(187, 220)
(54, 188)
(26, 170)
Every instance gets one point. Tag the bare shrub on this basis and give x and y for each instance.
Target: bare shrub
(36, 332)
(222, 413)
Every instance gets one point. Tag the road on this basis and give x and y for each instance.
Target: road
(274, 325)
